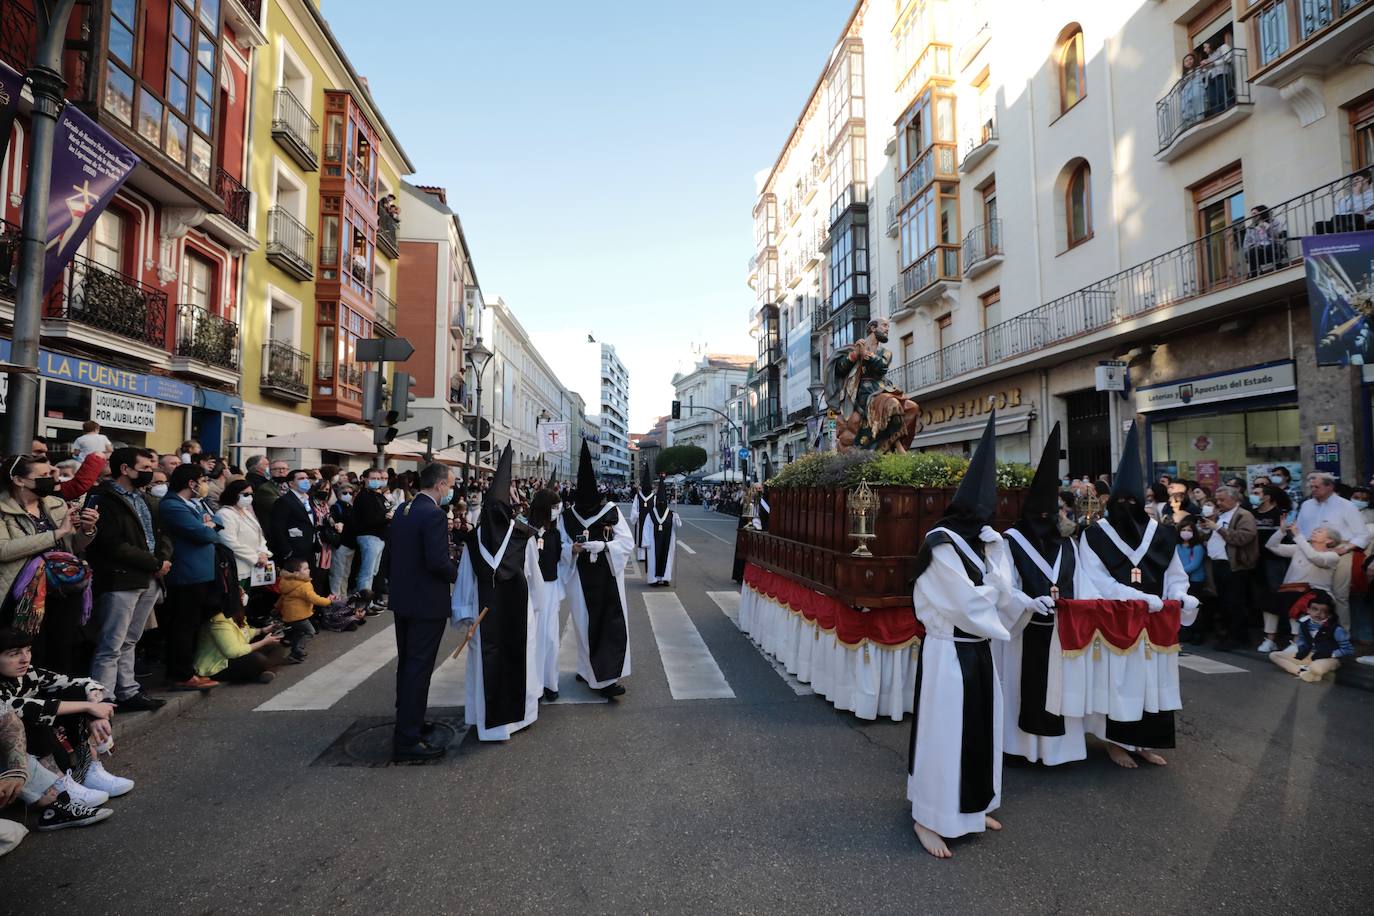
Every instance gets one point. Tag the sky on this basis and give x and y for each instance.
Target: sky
(601, 155)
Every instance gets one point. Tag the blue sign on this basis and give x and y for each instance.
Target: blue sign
(98, 375)
(744, 453)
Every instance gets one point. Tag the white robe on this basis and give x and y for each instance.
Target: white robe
(651, 554)
(945, 598)
(616, 552)
(546, 631)
(637, 524)
(1050, 750)
(465, 611)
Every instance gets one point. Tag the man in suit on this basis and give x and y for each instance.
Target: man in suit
(421, 576)
(293, 527)
(1232, 550)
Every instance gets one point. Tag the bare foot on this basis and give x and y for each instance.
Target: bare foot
(992, 822)
(933, 842)
(1151, 757)
(1121, 757)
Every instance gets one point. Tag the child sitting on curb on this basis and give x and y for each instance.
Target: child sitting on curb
(1322, 642)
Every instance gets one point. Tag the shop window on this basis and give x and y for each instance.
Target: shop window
(1234, 440)
(1073, 83)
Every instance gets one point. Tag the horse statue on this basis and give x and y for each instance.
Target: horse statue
(871, 413)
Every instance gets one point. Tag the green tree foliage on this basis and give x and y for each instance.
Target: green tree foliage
(681, 459)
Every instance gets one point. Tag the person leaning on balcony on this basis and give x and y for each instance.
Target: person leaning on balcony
(1265, 245)
(1191, 91)
(1221, 89)
(1358, 202)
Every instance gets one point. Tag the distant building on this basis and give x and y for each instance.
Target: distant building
(704, 394)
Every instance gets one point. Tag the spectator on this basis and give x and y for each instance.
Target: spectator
(370, 520)
(239, 531)
(1326, 508)
(1232, 540)
(23, 777)
(36, 526)
(1180, 506)
(341, 514)
(294, 521)
(1357, 203)
(127, 559)
(168, 464)
(328, 531)
(230, 650)
(297, 604)
(189, 601)
(190, 451)
(1191, 94)
(1199, 494)
(1311, 565)
(217, 478)
(158, 488)
(91, 441)
(1269, 505)
(1193, 555)
(65, 471)
(1320, 640)
(1265, 244)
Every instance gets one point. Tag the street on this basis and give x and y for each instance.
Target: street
(716, 784)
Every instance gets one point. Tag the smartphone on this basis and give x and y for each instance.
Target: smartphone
(1292, 516)
(580, 539)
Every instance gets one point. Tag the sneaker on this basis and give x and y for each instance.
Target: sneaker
(97, 778)
(82, 795)
(196, 682)
(65, 813)
(1291, 649)
(267, 677)
(1365, 660)
(1268, 646)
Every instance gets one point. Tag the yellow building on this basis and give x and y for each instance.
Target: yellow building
(323, 162)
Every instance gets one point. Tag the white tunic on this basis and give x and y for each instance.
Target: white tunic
(651, 520)
(637, 524)
(546, 631)
(945, 598)
(465, 611)
(616, 552)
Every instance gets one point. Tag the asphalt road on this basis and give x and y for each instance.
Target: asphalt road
(767, 802)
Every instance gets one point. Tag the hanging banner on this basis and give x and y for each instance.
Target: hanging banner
(798, 392)
(11, 85)
(553, 438)
(88, 167)
(123, 411)
(1340, 296)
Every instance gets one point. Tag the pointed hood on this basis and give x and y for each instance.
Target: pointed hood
(1041, 505)
(1126, 503)
(495, 516)
(646, 485)
(553, 481)
(976, 499)
(586, 498)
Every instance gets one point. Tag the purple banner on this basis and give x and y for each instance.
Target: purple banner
(1340, 296)
(88, 167)
(11, 84)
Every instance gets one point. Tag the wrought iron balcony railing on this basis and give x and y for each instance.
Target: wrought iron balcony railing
(982, 242)
(386, 233)
(1210, 90)
(236, 198)
(285, 371)
(9, 258)
(18, 34)
(385, 308)
(295, 129)
(939, 161)
(205, 337)
(290, 245)
(940, 263)
(108, 300)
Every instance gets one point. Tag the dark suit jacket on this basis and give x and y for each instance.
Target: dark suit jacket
(289, 513)
(422, 570)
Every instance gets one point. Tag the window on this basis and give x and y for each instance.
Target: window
(197, 281)
(1362, 133)
(106, 243)
(1072, 76)
(1220, 205)
(992, 307)
(1078, 205)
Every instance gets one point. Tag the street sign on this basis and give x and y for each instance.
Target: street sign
(1111, 375)
(384, 350)
(744, 453)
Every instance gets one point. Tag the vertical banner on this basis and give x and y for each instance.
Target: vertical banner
(797, 396)
(11, 84)
(88, 167)
(553, 438)
(1340, 296)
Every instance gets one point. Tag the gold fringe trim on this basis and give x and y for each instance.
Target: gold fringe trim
(1100, 642)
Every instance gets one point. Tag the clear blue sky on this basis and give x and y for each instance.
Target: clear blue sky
(601, 155)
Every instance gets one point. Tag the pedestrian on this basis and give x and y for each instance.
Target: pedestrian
(1232, 542)
(295, 522)
(368, 525)
(954, 772)
(499, 575)
(128, 559)
(190, 601)
(341, 515)
(422, 575)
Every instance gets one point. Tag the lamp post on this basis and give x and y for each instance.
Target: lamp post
(478, 357)
(543, 417)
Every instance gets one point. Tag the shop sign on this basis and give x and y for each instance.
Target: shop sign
(1327, 457)
(98, 375)
(123, 411)
(971, 408)
(1256, 381)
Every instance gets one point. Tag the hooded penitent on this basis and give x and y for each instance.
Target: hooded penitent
(1040, 510)
(646, 485)
(494, 518)
(661, 496)
(1126, 502)
(586, 498)
(975, 502)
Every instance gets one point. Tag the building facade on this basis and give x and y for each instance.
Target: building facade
(1056, 194)
(704, 394)
(615, 417)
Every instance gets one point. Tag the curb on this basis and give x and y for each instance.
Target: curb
(133, 724)
(1349, 674)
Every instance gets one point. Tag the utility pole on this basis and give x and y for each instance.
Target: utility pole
(47, 85)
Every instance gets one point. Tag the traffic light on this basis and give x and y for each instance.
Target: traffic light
(383, 427)
(374, 392)
(677, 410)
(401, 395)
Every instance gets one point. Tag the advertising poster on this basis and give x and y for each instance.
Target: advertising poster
(799, 367)
(1341, 296)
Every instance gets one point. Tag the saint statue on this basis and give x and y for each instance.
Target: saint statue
(871, 413)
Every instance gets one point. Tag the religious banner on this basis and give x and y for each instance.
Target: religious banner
(553, 438)
(1340, 292)
(11, 85)
(798, 390)
(88, 167)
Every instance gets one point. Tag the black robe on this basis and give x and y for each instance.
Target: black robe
(663, 539)
(1036, 638)
(607, 636)
(644, 504)
(504, 631)
(549, 553)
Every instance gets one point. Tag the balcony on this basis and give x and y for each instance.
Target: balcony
(979, 146)
(853, 194)
(209, 340)
(285, 372)
(765, 423)
(236, 198)
(895, 310)
(290, 245)
(108, 301)
(9, 259)
(769, 353)
(1294, 38)
(18, 34)
(894, 223)
(386, 234)
(295, 129)
(1201, 105)
(934, 274)
(1174, 287)
(936, 163)
(385, 308)
(244, 17)
(983, 248)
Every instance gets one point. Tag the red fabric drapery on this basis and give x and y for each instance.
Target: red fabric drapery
(1121, 624)
(889, 627)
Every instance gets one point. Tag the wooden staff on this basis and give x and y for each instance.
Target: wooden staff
(472, 629)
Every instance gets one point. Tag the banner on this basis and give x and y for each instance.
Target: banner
(11, 85)
(798, 392)
(123, 411)
(88, 167)
(553, 438)
(1340, 296)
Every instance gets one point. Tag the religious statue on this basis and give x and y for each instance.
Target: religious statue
(871, 413)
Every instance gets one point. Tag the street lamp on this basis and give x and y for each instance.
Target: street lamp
(543, 417)
(478, 357)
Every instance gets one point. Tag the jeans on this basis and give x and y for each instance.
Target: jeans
(370, 546)
(298, 633)
(39, 782)
(340, 569)
(121, 617)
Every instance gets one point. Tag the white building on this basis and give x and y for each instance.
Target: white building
(1052, 192)
(704, 394)
(615, 416)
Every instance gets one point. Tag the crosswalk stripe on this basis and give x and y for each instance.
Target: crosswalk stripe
(686, 548)
(728, 602)
(448, 687)
(709, 533)
(323, 688)
(690, 667)
(1207, 665)
(570, 689)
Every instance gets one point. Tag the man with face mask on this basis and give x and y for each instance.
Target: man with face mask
(295, 520)
(126, 557)
(660, 537)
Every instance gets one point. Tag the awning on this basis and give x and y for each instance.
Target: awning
(969, 430)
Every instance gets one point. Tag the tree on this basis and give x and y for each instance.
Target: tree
(681, 459)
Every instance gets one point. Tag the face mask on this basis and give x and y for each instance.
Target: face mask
(158, 489)
(303, 485)
(143, 478)
(1254, 500)
(279, 478)
(346, 497)
(1207, 511)
(446, 498)
(201, 487)
(246, 501)
(44, 486)
(1360, 503)
(1186, 535)
(376, 484)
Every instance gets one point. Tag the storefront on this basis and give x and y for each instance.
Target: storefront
(1208, 428)
(953, 425)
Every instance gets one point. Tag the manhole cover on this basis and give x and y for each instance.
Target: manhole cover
(367, 743)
